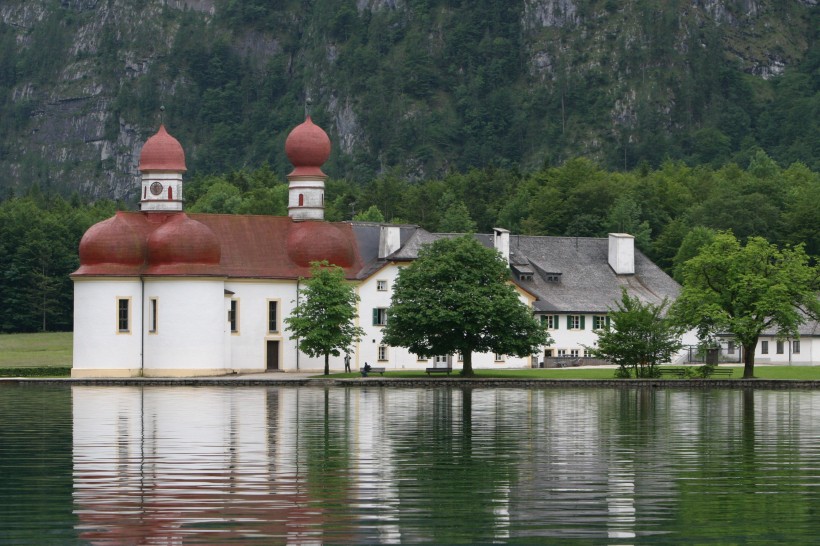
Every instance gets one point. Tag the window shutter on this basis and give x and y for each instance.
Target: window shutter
(555, 321)
(607, 321)
(569, 322)
(582, 322)
(375, 316)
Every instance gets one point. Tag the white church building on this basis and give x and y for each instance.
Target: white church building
(164, 293)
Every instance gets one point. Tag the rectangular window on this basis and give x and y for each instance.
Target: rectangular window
(574, 353)
(795, 347)
(551, 321)
(379, 316)
(421, 359)
(382, 352)
(780, 347)
(498, 358)
(381, 286)
(600, 322)
(233, 316)
(547, 353)
(575, 322)
(152, 316)
(273, 316)
(124, 315)
(562, 352)
(731, 348)
(764, 347)
(460, 357)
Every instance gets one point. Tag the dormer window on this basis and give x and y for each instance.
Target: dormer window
(525, 277)
(552, 277)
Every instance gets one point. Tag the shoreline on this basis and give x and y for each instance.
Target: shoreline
(320, 381)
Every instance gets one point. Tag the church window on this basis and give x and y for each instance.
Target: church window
(301, 199)
(124, 315)
(170, 193)
(152, 316)
(233, 316)
(273, 316)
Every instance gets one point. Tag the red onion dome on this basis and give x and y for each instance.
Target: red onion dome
(162, 152)
(113, 241)
(307, 148)
(317, 241)
(182, 241)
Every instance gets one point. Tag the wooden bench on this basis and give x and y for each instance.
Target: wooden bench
(439, 370)
(682, 373)
(674, 372)
(721, 371)
(372, 369)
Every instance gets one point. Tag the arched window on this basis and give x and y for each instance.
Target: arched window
(301, 200)
(144, 192)
(170, 194)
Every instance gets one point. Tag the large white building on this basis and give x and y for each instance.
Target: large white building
(160, 292)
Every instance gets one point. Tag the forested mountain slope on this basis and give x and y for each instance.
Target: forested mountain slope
(416, 88)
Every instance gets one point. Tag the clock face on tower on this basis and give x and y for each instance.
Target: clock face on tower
(156, 188)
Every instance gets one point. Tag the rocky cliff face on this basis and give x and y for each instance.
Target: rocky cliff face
(80, 69)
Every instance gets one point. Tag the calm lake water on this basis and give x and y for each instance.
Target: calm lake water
(217, 465)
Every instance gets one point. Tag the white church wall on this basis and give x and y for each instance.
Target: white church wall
(189, 327)
(249, 344)
(101, 349)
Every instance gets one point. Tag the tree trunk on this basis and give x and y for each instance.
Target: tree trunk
(467, 365)
(327, 363)
(749, 360)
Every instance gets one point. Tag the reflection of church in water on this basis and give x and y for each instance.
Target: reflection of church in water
(293, 465)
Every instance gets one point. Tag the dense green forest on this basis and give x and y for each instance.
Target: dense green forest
(415, 88)
(670, 210)
(661, 118)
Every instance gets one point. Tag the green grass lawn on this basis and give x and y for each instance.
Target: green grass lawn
(35, 350)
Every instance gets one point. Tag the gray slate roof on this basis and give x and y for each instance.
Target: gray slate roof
(586, 282)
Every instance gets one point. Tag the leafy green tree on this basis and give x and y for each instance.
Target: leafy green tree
(743, 290)
(456, 219)
(372, 214)
(456, 298)
(639, 337)
(322, 320)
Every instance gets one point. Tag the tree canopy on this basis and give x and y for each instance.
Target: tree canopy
(638, 337)
(457, 298)
(323, 319)
(744, 290)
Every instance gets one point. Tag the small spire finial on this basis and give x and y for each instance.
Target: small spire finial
(162, 115)
(308, 102)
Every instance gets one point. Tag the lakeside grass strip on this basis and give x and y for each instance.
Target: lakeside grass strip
(36, 350)
(41, 371)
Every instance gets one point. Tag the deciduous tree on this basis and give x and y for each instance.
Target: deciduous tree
(456, 298)
(639, 337)
(325, 310)
(743, 290)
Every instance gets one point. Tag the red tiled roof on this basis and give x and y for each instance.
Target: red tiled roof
(274, 247)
